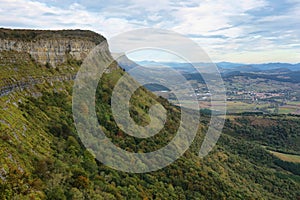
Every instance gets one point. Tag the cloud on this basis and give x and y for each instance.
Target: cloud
(222, 28)
(38, 15)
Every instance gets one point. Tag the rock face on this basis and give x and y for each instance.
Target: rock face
(52, 47)
(20, 50)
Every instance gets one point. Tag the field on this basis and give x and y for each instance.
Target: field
(286, 157)
(291, 107)
(233, 107)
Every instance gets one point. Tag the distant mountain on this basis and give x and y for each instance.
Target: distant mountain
(226, 67)
(279, 71)
(287, 76)
(269, 66)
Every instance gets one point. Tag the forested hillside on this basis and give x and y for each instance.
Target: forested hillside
(42, 157)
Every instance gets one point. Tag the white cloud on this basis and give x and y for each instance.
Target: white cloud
(214, 17)
(222, 28)
(32, 14)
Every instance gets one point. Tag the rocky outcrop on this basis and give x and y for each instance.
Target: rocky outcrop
(30, 82)
(20, 50)
(52, 47)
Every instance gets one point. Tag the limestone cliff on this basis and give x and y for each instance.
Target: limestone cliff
(53, 47)
(25, 56)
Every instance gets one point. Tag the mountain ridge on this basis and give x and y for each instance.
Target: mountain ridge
(42, 156)
(226, 66)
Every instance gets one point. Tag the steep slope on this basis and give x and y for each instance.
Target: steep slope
(50, 47)
(42, 157)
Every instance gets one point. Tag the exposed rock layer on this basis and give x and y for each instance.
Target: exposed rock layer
(53, 47)
(23, 48)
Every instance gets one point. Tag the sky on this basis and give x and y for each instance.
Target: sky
(247, 31)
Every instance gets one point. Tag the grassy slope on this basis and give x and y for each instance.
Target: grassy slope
(287, 157)
(41, 156)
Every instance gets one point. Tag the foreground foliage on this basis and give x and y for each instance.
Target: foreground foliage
(42, 157)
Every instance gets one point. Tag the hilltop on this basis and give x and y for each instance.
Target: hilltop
(50, 47)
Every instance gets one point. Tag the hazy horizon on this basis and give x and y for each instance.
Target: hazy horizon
(217, 62)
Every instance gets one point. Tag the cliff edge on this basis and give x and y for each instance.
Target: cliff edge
(50, 47)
